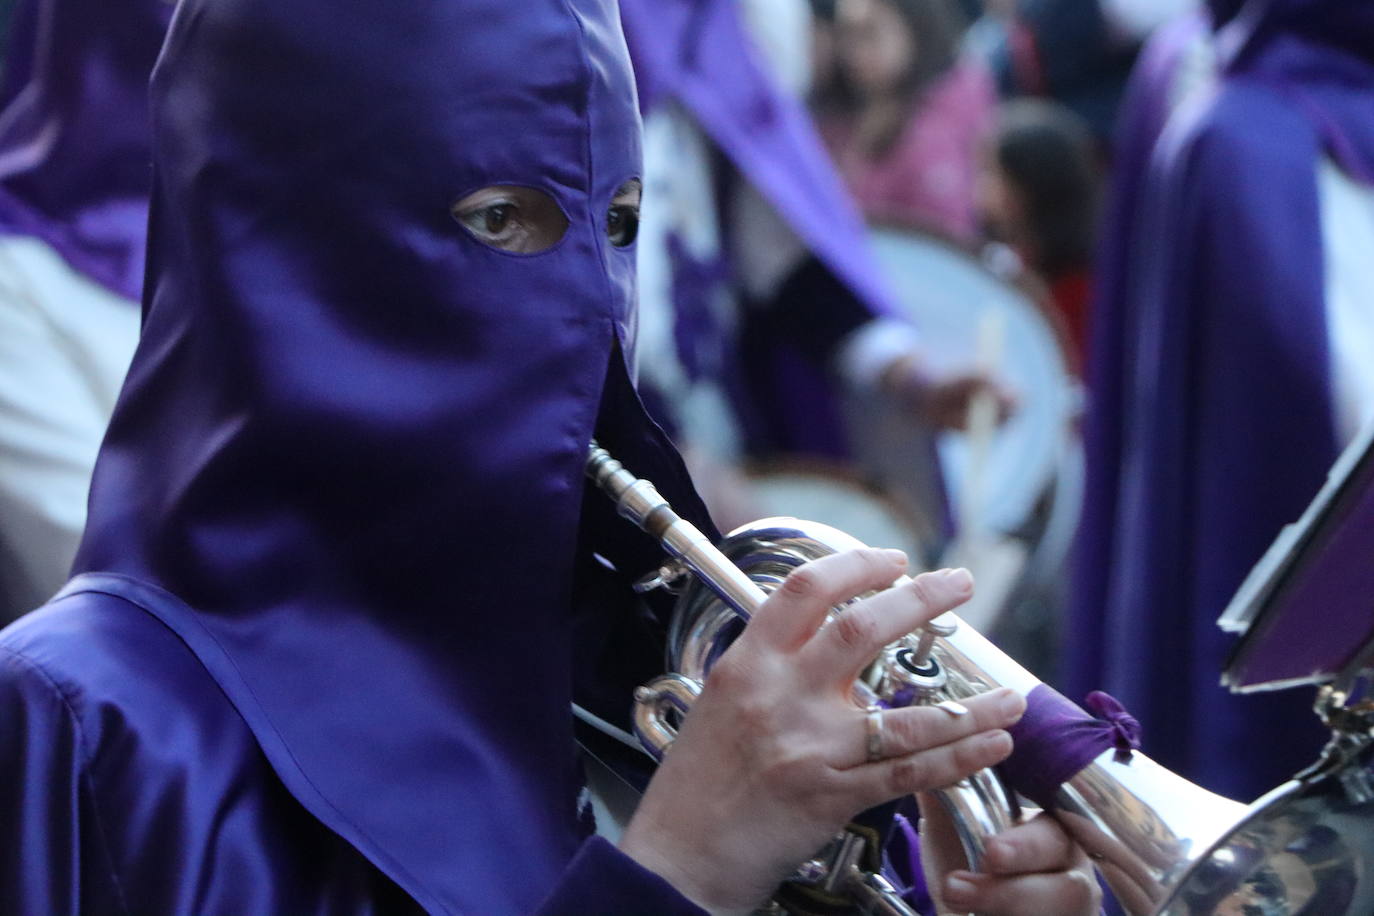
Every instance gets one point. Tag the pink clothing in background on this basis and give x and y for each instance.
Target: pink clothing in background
(926, 179)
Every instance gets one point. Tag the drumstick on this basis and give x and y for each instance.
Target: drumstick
(983, 410)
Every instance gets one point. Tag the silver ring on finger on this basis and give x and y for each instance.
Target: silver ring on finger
(873, 731)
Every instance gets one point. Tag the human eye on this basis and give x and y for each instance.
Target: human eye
(496, 224)
(512, 218)
(622, 219)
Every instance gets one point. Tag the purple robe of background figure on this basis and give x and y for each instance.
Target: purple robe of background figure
(74, 158)
(74, 182)
(1212, 423)
(335, 599)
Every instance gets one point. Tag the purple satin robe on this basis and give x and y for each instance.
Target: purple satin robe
(1146, 108)
(337, 590)
(134, 786)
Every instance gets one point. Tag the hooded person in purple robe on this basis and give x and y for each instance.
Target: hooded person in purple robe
(761, 297)
(786, 234)
(343, 578)
(1221, 400)
(74, 181)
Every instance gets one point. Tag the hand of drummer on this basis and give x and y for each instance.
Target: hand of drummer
(944, 401)
(1030, 870)
(776, 757)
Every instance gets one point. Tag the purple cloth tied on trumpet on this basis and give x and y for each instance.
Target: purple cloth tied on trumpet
(1056, 739)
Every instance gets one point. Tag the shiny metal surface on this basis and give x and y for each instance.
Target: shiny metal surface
(1305, 849)
(638, 501)
(1165, 846)
(658, 704)
(875, 895)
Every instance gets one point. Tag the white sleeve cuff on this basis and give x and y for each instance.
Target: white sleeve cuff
(866, 353)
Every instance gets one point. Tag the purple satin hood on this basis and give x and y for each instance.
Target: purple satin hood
(1246, 25)
(74, 152)
(346, 467)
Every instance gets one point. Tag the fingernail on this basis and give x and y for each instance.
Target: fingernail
(1012, 704)
(960, 579)
(896, 556)
(998, 742)
(958, 889)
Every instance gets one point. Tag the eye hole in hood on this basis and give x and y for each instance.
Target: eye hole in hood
(512, 218)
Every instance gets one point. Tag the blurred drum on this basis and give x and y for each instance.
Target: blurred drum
(947, 293)
(1028, 476)
(834, 496)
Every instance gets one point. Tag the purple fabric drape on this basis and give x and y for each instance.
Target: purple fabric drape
(697, 52)
(1213, 426)
(75, 162)
(1145, 110)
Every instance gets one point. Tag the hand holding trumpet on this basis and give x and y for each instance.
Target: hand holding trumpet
(775, 757)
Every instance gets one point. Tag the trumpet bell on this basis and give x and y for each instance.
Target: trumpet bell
(1305, 849)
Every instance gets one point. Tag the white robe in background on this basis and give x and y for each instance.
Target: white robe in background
(65, 344)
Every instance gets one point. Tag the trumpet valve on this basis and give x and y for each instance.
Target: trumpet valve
(669, 577)
(925, 642)
(909, 681)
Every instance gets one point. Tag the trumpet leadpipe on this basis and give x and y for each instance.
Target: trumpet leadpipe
(638, 501)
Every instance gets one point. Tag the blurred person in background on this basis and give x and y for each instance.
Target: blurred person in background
(1234, 361)
(823, 90)
(1038, 194)
(1077, 52)
(738, 197)
(74, 185)
(989, 33)
(759, 295)
(907, 114)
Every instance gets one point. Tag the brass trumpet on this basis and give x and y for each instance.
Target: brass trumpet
(1165, 846)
